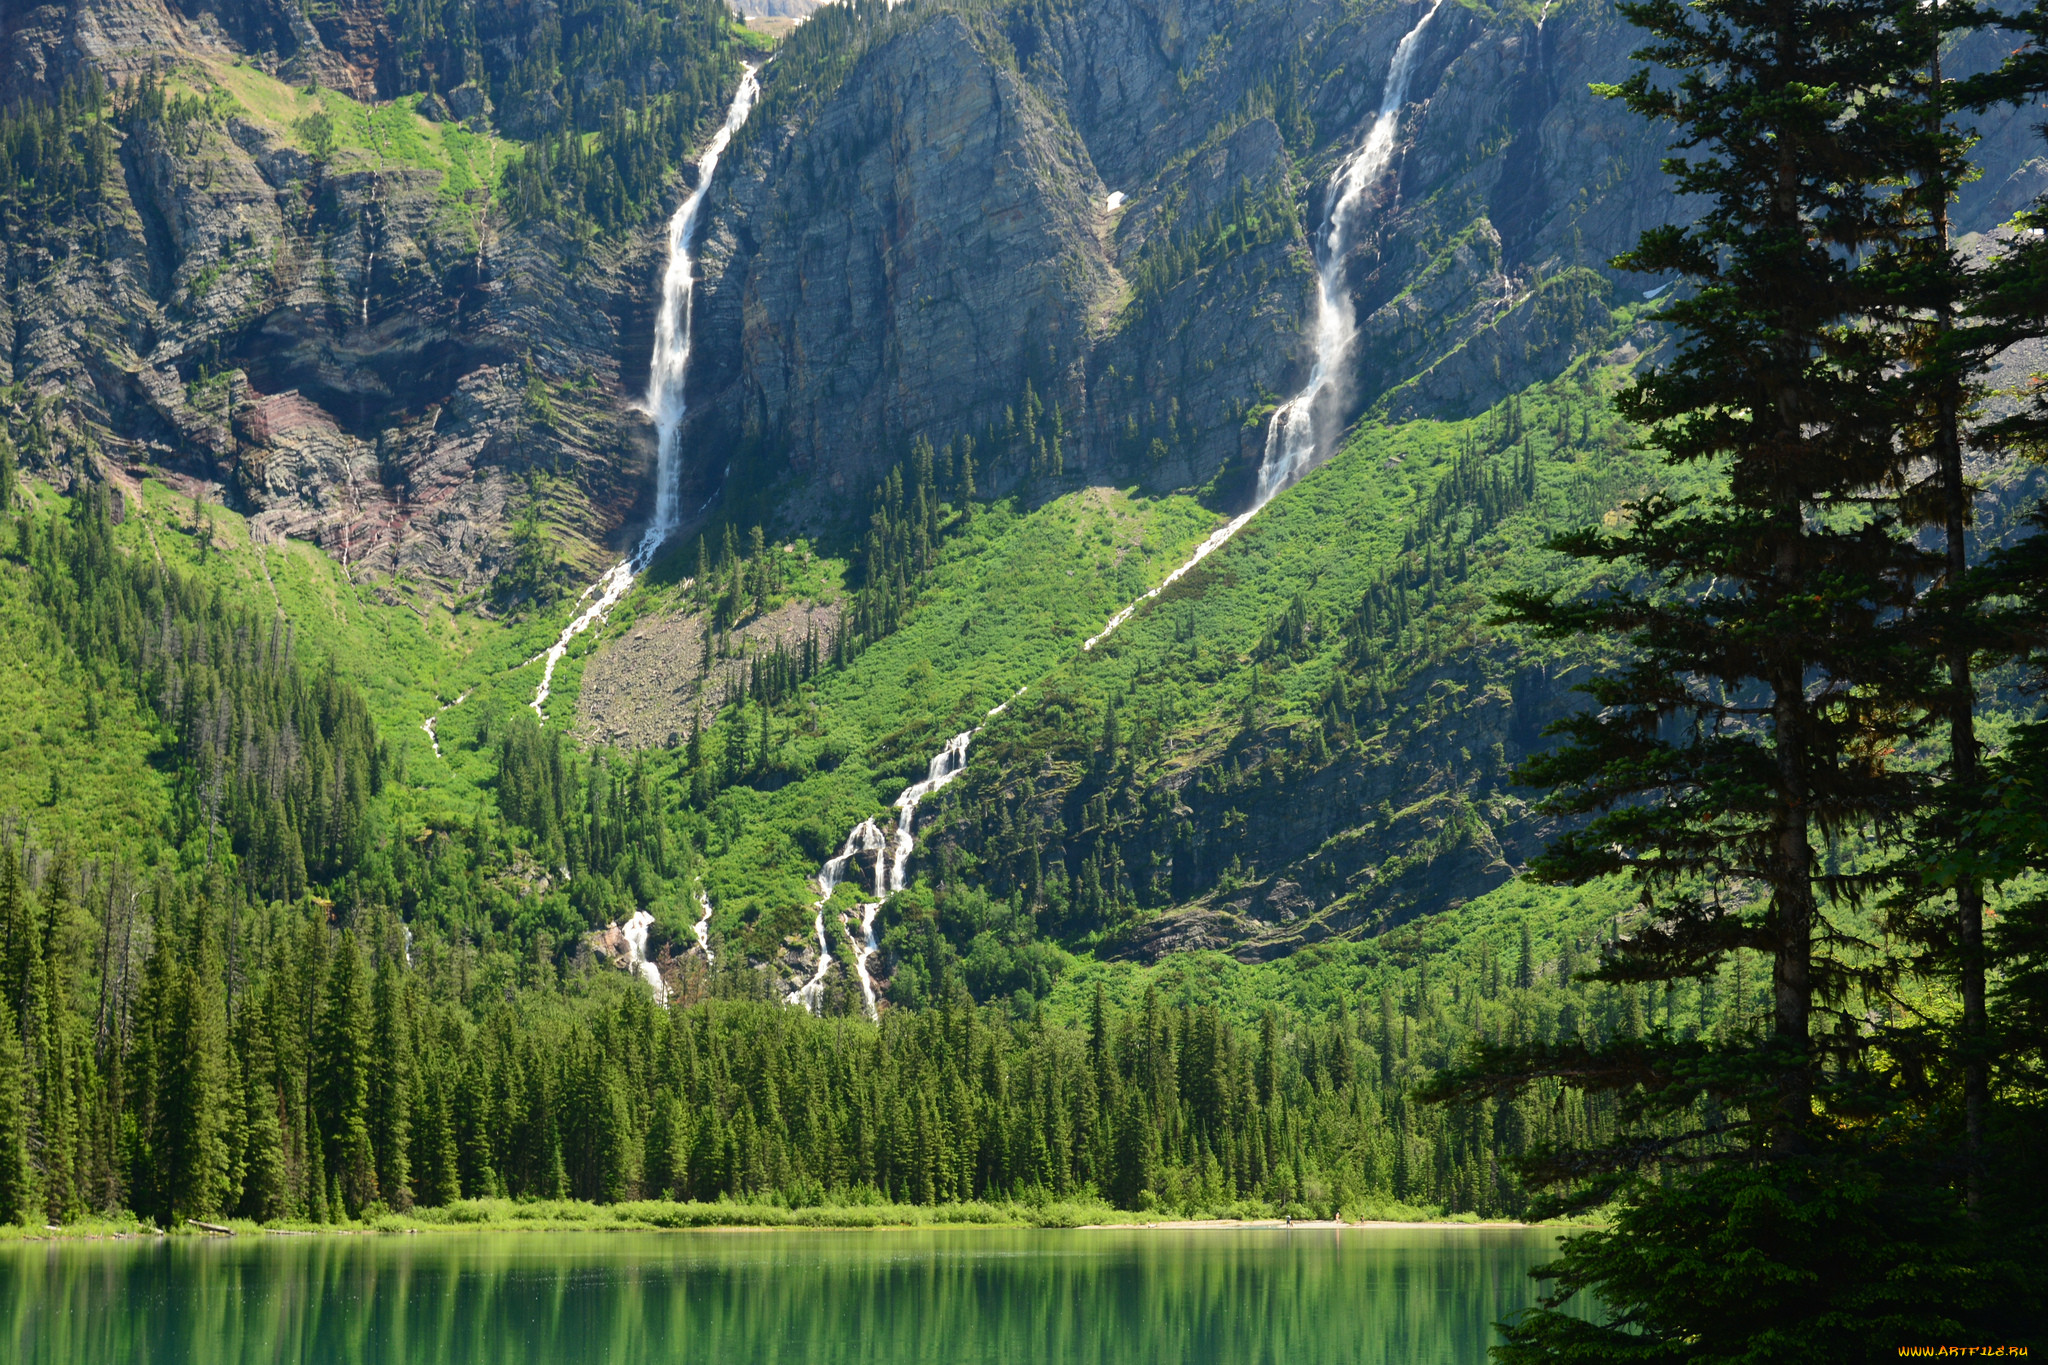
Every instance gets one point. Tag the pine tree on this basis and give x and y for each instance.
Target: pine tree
(1751, 722)
(57, 1086)
(436, 1166)
(17, 1191)
(343, 1055)
(190, 1141)
(264, 1194)
(391, 1084)
(1997, 828)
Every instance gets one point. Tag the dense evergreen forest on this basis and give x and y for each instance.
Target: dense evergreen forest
(283, 1008)
(645, 79)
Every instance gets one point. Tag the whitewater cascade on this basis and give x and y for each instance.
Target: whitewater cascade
(1300, 436)
(1304, 431)
(703, 926)
(865, 838)
(892, 872)
(431, 722)
(634, 931)
(1305, 428)
(664, 401)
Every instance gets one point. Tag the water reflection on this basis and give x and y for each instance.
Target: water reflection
(757, 1298)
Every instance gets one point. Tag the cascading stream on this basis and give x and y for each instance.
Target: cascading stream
(1299, 439)
(1302, 434)
(703, 927)
(892, 870)
(634, 931)
(431, 723)
(1305, 429)
(664, 402)
(865, 838)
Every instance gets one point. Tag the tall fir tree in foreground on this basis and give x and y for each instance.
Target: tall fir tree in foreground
(2001, 831)
(1769, 1188)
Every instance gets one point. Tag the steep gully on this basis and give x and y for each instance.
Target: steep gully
(1303, 435)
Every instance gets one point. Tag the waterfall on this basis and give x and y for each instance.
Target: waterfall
(1305, 429)
(433, 721)
(1293, 447)
(946, 765)
(664, 401)
(671, 359)
(865, 838)
(634, 931)
(1202, 552)
(703, 926)
(892, 870)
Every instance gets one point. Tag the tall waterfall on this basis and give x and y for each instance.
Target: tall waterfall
(1301, 436)
(671, 359)
(1305, 429)
(664, 400)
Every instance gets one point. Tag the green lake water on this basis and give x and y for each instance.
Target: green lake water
(1300, 1297)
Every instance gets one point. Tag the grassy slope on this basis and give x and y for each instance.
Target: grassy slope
(1012, 597)
(366, 136)
(1184, 671)
(407, 661)
(1007, 607)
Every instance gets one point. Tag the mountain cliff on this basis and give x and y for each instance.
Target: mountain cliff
(921, 227)
(345, 272)
(278, 284)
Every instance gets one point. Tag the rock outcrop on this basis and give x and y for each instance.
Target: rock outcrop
(904, 247)
(1082, 240)
(355, 347)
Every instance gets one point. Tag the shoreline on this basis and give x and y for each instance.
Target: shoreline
(767, 1219)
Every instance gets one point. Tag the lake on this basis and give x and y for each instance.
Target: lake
(1301, 1297)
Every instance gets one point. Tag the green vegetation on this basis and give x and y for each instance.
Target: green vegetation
(1174, 253)
(1782, 760)
(1224, 916)
(1345, 636)
(649, 81)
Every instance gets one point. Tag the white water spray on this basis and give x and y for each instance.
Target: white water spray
(946, 765)
(892, 871)
(703, 926)
(1305, 430)
(1293, 447)
(431, 723)
(664, 402)
(865, 838)
(634, 931)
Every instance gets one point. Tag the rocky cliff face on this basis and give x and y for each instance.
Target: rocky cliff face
(345, 44)
(356, 348)
(1080, 236)
(903, 249)
(900, 254)
(898, 258)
